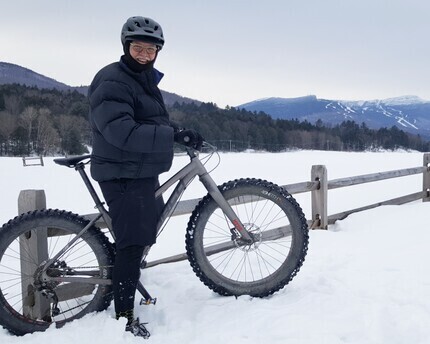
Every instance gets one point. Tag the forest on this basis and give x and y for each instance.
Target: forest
(51, 122)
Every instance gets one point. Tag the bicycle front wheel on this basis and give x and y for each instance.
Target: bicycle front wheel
(29, 300)
(277, 225)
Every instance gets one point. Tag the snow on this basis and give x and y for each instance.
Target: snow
(364, 280)
(404, 100)
(395, 101)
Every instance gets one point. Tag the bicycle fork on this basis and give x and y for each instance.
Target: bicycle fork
(216, 194)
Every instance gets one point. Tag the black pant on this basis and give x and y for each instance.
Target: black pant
(133, 209)
(134, 212)
(126, 273)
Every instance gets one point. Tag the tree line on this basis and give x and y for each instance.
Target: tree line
(52, 122)
(42, 122)
(237, 130)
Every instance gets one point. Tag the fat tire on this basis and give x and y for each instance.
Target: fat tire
(103, 250)
(275, 281)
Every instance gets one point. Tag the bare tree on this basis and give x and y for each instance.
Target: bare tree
(47, 138)
(26, 119)
(73, 131)
(7, 127)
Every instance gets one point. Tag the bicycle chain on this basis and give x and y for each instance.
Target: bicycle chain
(79, 306)
(86, 267)
(90, 267)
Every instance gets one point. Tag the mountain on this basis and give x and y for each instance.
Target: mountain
(408, 113)
(14, 74)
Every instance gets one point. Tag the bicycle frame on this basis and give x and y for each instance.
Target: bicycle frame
(183, 177)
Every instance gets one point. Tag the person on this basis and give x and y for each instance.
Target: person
(133, 142)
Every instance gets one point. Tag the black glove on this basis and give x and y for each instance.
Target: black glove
(189, 138)
(176, 127)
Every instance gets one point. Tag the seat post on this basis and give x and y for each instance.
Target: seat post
(80, 167)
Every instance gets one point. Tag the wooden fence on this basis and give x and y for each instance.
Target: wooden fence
(36, 306)
(321, 220)
(318, 186)
(32, 160)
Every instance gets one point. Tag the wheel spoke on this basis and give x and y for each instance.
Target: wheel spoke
(21, 287)
(230, 265)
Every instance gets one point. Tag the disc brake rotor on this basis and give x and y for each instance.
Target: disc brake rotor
(254, 232)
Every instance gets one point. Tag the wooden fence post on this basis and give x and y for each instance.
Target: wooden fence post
(426, 178)
(319, 198)
(33, 251)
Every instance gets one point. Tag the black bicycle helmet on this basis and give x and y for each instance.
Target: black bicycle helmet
(142, 28)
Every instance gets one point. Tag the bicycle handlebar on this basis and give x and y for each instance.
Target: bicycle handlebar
(191, 151)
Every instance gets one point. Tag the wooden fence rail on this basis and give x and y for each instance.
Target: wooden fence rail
(318, 186)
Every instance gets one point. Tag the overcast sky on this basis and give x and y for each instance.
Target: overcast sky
(233, 51)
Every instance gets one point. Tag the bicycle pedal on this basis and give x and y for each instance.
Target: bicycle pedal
(151, 301)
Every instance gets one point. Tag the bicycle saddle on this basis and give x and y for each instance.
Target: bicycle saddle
(71, 162)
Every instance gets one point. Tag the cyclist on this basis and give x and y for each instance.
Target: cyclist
(132, 144)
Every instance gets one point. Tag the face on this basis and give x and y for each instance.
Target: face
(143, 52)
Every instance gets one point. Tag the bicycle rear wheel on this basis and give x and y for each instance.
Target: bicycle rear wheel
(29, 301)
(226, 264)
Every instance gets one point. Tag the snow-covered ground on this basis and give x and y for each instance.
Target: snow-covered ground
(365, 280)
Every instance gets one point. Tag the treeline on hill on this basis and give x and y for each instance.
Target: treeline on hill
(52, 122)
(42, 122)
(238, 129)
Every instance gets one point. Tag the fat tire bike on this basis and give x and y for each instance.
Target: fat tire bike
(245, 237)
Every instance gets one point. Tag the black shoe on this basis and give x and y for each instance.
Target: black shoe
(138, 329)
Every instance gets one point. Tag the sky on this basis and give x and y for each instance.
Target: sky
(234, 51)
(365, 280)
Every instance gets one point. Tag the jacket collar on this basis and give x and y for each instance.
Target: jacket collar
(156, 73)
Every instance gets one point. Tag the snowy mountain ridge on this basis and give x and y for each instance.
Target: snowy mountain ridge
(409, 113)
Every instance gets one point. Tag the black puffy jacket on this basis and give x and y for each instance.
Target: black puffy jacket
(132, 136)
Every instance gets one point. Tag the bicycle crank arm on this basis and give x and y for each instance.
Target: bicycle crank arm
(147, 299)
